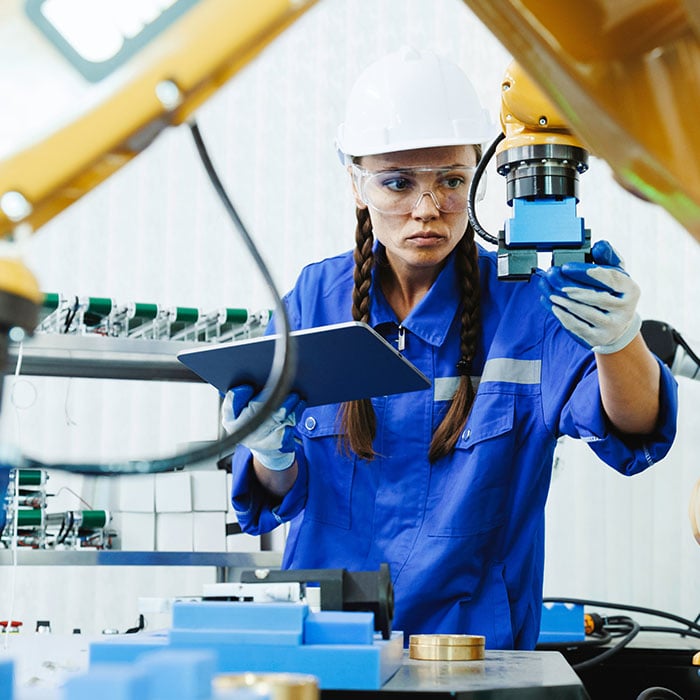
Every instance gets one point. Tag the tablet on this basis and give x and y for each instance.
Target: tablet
(342, 362)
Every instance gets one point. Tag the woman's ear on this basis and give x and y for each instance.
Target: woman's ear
(355, 189)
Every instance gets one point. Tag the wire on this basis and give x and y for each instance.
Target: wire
(627, 629)
(276, 388)
(474, 186)
(69, 522)
(70, 490)
(670, 630)
(70, 316)
(632, 608)
(630, 630)
(595, 640)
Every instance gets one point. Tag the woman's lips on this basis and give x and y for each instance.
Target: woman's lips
(425, 237)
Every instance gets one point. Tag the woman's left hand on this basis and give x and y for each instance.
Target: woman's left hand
(596, 302)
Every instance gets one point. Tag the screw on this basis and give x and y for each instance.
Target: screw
(168, 93)
(15, 206)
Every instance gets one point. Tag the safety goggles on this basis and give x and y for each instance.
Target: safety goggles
(400, 191)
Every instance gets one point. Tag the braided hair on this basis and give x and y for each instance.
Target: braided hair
(358, 420)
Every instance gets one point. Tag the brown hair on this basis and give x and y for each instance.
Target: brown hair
(358, 420)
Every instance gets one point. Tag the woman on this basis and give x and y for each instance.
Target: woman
(447, 485)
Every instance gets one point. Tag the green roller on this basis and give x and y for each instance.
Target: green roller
(236, 315)
(186, 314)
(94, 519)
(29, 517)
(51, 301)
(31, 477)
(102, 306)
(145, 311)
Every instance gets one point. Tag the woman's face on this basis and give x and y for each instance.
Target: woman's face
(421, 239)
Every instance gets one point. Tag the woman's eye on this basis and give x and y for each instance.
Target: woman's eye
(397, 183)
(453, 182)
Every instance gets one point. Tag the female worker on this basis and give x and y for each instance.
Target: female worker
(447, 485)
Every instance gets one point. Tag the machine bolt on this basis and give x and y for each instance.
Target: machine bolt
(15, 206)
(169, 95)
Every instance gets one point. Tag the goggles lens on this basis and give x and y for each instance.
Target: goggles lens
(400, 191)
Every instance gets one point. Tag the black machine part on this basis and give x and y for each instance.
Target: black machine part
(370, 591)
(661, 339)
(671, 348)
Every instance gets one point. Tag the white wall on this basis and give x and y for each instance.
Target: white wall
(154, 232)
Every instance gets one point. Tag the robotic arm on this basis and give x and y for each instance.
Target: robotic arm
(107, 77)
(541, 160)
(626, 77)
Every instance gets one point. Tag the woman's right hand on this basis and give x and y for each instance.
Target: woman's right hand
(272, 443)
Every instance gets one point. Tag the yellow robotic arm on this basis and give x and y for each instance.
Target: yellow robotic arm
(106, 78)
(625, 75)
(541, 160)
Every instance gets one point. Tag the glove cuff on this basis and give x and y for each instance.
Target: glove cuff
(274, 460)
(623, 341)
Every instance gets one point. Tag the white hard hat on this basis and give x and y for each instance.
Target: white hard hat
(412, 99)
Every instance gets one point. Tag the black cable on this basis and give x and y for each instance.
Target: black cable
(69, 527)
(57, 539)
(658, 693)
(474, 186)
(632, 608)
(629, 636)
(141, 625)
(627, 629)
(595, 640)
(671, 630)
(70, 316)
(276, 388)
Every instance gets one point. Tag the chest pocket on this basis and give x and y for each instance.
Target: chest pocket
(330, 472)
(469, 490)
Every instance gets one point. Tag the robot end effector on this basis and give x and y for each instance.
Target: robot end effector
(541, 160)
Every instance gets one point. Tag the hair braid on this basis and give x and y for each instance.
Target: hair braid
(358, 420)
(466, 263)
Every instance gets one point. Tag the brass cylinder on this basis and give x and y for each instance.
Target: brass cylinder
(446, 647)
(278, 686)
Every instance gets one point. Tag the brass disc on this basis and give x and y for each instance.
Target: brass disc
(279, 686)
(446, 647)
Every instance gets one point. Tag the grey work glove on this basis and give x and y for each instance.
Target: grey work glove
(596, 302)
(272, 443)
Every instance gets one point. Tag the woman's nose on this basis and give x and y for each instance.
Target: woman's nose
(426, 207)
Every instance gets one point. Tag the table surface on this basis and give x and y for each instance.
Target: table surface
(501, 674)
(43, 662)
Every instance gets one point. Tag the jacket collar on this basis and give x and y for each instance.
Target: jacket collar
(432, 317)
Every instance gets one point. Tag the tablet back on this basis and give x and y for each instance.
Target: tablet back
(342, 362)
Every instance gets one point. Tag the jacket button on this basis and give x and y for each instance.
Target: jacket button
(310, 423)
(466, 434)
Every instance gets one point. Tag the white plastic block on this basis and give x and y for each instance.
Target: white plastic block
(174, 532)
(209, 531)
(135, 531)
(209, 490)
(173, 492)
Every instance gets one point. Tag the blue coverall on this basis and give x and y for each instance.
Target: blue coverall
(464, 536)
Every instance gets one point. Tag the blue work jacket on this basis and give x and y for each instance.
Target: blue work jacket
(464, 536)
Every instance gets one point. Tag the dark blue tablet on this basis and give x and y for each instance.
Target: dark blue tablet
(342, 362)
